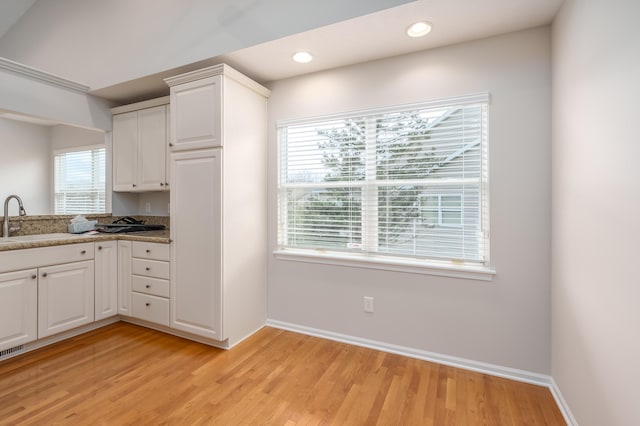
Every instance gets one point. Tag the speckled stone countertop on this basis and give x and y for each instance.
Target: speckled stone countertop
(48, 224)
(57, 239)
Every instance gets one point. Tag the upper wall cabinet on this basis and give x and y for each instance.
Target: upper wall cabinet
(140, 146)
(199, 104)
(197, 118)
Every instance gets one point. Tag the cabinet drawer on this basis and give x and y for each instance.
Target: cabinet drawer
(14, 260)
(150, 308)
(154, 286)
(150, 268)
(151, 251)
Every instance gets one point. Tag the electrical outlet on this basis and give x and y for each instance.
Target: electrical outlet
(147, 207)
(368, 304)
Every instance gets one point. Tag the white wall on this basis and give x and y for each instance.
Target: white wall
(25, 166)
(504, 322)
(596, 206)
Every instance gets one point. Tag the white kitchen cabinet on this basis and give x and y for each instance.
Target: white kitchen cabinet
(125, 151)
(140, 133)
(106, 279)
(196, 234)
(65, 297)
(218, 204)
(18, 308)
(150, 269)
(124, 278)
(60, 278)
(197, 120)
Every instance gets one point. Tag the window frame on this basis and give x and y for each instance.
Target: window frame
(385, 261)
(68, 150)
(440, 209)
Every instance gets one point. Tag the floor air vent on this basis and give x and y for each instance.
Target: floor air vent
(9, 352)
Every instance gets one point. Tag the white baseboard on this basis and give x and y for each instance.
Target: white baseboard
(466, 364)
(562, 404)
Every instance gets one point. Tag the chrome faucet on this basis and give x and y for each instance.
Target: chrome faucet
(5, 225)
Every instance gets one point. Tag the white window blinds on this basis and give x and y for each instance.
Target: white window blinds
(407, 181)
(79, 181)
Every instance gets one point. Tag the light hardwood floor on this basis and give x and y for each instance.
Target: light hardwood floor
(125, 374)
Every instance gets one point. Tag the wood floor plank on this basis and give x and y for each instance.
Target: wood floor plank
(123, 374)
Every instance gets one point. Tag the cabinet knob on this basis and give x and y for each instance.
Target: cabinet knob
(170, 143)
(161, 184)
(147, 304)
(148, 251)
(166, 184)
(44, 274)
(99, 247)
(134, 185)
(147, 286)
(83, 252)
(34, 276)
(147, 268)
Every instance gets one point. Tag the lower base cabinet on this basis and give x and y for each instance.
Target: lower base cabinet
(18, 308)
(44, 291)
(124, 278)
(49, 290)
(65, 297)
(149, 282)
(106, 281)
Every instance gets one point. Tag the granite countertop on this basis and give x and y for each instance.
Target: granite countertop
(58, 239)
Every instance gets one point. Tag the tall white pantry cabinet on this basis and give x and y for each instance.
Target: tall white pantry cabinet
(218, 161)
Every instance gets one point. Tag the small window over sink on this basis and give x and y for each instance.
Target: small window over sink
(79, 180)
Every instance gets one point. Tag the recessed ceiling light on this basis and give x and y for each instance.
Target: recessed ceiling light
(302, 57)
(419, 29)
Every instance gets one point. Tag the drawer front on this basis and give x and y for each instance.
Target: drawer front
(150, 308)
(150, 268)
(14, 260)
(148, 285)
(151, 251)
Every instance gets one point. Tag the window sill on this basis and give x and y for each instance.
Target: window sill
(444, 269)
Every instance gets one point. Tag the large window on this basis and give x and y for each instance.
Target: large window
(402, 183)
(79, 180)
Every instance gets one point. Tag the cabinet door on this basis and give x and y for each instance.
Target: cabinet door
(196, 116)
(106, 279)
(196, 233)
(124, 278)
(18, 308)
(125, 151)
(65, 297)
(152, 148)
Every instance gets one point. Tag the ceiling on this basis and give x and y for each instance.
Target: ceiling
(11, 11)
(364, 38)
